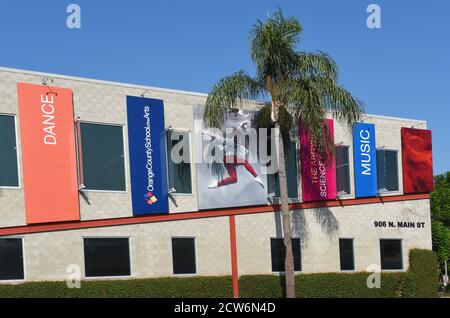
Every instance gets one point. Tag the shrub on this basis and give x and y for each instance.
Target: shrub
(441, 242)
(261, 286)
(192, 287)
(352, 285)
(422, 278)
(347, 286)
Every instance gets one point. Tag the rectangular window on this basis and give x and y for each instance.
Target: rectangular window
(180, 163)
(107, 257)
(103, 157)
(391, 254)
(387, 169)
(346, 254)
(290, 152)
(9, 176)
(342, 170)
(183, 256)
(11, 259)
(279, 253)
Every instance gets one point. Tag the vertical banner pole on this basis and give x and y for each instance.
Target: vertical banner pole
(234, 261)
(80, 154)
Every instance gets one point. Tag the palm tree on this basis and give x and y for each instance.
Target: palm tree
(303, 85)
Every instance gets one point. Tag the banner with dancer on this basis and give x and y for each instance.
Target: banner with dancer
(229, 173)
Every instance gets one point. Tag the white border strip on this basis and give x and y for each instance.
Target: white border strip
(83, 79)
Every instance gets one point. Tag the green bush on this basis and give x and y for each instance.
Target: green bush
(192, 287)
(261, 286)
(348, 286)
(422, 278)
(321, 285)
(441, 242)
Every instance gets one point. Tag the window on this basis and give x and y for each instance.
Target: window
(279, 253)
(180, 165)
(290, 150)
(183, 255)
(342, 170)
(103, 157)
(387, 169)
(11, 259)
(9, 176)
(346, 254)
(107, 257)
(391, 254)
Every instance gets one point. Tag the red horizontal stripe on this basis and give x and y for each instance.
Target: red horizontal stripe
(51, 227)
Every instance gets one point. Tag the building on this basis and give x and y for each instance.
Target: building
(73, 159)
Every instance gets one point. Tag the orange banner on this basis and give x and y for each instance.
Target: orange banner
(48, 153)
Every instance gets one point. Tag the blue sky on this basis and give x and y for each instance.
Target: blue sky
(400, 70)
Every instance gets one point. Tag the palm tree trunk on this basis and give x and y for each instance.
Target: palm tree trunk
(286, 221)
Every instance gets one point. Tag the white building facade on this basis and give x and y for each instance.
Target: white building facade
(110, 236)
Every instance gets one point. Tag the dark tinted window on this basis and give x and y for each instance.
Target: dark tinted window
(342, 170)
(11, 259)
(183, 255)
(387, 164)
(290, 151)
(103, 158)
(279, 253)
(391, 254)
(8, 153)
(346, 254)
(107, 257)
(179, 167)
(391, 160)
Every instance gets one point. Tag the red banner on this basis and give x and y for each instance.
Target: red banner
(48, 153)
(417, 157)
(318, 175)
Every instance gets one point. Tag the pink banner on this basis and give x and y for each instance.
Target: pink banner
(318, 176)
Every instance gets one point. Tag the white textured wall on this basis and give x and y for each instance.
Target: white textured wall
(47, 255)
(320, 230)
(103, 103)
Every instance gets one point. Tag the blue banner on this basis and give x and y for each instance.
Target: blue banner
(147, 145)
(364, 154)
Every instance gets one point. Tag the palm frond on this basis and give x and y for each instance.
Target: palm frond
(229, 92)
(285, 120)
(273, 44)
(308, 108)
(338, 101)
(315, 65)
